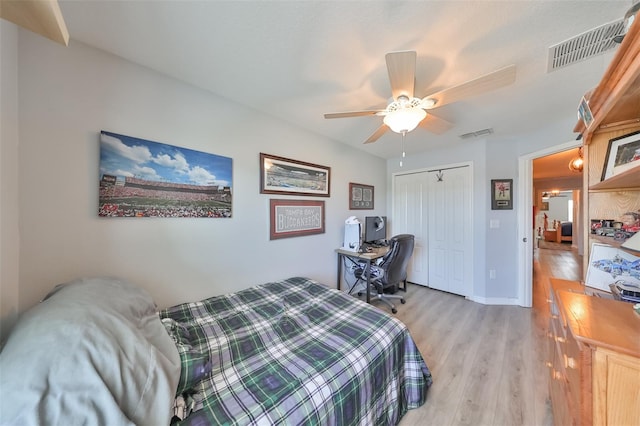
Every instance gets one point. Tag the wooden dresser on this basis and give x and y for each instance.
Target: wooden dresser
(594, 358)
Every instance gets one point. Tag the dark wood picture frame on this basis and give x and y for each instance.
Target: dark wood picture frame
(279, 175)
(622, 154)
(296, 218)
(501, 194)
(361, 196)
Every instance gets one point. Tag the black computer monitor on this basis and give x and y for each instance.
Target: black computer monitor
(375, 229)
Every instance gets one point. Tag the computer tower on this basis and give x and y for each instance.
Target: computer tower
(351, 236)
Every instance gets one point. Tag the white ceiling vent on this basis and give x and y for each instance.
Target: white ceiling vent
(477, 133)
(584, 46)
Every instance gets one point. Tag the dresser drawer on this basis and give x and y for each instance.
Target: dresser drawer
(576, 360)
(559, 391)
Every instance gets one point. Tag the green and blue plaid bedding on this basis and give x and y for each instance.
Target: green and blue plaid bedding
(296, 352)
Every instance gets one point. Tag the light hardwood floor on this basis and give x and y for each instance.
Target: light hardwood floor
(488, 362)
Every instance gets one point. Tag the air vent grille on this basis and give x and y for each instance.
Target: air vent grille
(583, 46)
(477, 133)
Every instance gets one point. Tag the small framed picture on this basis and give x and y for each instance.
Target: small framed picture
(544, 206)
(623, 153)
(501, 194)
(584, 113)
(360, 196)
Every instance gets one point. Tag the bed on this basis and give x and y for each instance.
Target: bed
(565, 232)
(561, 231)
(97, 351)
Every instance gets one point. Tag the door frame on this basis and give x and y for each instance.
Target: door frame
(525, 214)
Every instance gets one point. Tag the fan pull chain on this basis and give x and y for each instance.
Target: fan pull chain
(403, 154)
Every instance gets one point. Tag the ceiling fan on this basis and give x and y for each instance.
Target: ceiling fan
(405, 112)
(553, 194)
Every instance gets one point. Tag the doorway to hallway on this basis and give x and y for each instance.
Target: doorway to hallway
(529, 202)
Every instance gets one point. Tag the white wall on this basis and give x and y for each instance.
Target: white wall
(559, 208)
(67, 95)
(9, 238)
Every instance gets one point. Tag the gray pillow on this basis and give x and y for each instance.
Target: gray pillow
(94, 351)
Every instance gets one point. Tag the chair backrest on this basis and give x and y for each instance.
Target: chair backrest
(395, 261)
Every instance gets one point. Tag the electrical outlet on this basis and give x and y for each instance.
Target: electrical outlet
(492, 274)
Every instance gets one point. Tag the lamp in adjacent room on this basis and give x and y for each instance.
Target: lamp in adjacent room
(577, 164)
(632, 243)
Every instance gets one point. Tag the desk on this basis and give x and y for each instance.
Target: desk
(367, 257)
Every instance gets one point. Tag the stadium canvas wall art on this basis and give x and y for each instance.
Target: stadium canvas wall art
(141, 178)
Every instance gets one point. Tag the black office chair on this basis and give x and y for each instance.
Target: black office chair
(392, 270)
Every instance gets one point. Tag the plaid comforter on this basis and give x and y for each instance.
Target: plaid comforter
(297, 352)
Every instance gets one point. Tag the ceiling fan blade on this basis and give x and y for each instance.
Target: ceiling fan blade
(352, 114)
(402, 73)
(377, 134)
(494, 80)
(435, 124)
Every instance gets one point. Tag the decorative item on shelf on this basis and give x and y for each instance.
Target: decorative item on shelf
(632, 243)
(584, 112)
(577, 164)
(623, 153)
(628, 20)
(624, 291)
(608, 264)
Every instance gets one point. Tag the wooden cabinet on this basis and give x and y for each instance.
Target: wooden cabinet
(615, 106)
(593, 357)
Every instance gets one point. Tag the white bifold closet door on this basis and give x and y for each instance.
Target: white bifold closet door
(435, 206)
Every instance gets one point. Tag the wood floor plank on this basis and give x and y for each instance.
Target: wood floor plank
(488, 362)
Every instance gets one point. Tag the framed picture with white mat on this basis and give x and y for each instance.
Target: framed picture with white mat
(608, 264)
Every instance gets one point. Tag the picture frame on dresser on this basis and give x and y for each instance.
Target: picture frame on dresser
(623, 153)
(609, 264)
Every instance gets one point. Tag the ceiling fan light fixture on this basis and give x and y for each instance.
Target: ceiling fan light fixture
(427, 103)
(405, 119)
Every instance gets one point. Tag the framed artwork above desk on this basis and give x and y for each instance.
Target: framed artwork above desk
(360, 196)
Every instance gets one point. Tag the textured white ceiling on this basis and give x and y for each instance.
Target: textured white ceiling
(299, 59)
